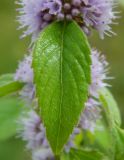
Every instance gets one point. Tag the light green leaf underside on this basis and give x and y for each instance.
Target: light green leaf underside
(8, 85)
(61, 63)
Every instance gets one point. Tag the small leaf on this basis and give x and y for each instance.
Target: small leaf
(8, 85)
(10, 110)
(86, 155)
(110, 107)
(61, 63)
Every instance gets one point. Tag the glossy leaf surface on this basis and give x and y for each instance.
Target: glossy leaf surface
(61, 63)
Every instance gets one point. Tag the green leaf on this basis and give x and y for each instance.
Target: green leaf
(10, 110)
(86, 155)
(111, 107)
(114, 121)
(8, 85)
(119, 148)
(61, 63)
(102, 138)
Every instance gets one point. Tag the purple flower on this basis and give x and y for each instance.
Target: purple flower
(37, 14)
(99, 70)
(32, 131)
(90, 115)
(24, 73)
(53, 6)
(43, 154)
(99, 14)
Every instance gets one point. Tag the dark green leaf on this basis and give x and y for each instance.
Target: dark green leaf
(10, 110)
(8, 85)
(61, 63)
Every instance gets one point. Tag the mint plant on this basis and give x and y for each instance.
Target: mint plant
(63, 82)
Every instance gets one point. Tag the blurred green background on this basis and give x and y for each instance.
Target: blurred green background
(12, 50)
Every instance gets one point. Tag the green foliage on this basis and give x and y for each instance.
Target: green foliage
(10, 110)
(119, 143)
(82, 154)
(102, 139)
(61, 63)
(13, 149)
(110, 107)
(113, 122)
(8, 85)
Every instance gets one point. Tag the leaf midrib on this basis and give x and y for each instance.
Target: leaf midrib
(61, 84)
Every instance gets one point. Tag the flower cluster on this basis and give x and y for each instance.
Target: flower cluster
(99, 70)
(24, 74)
(32, 129)
(97, 14)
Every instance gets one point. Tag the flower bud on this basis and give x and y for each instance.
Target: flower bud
(75, 12)
(47, 17)
(76, 3)
(67, 6)
(60, 16)
(69, 17)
